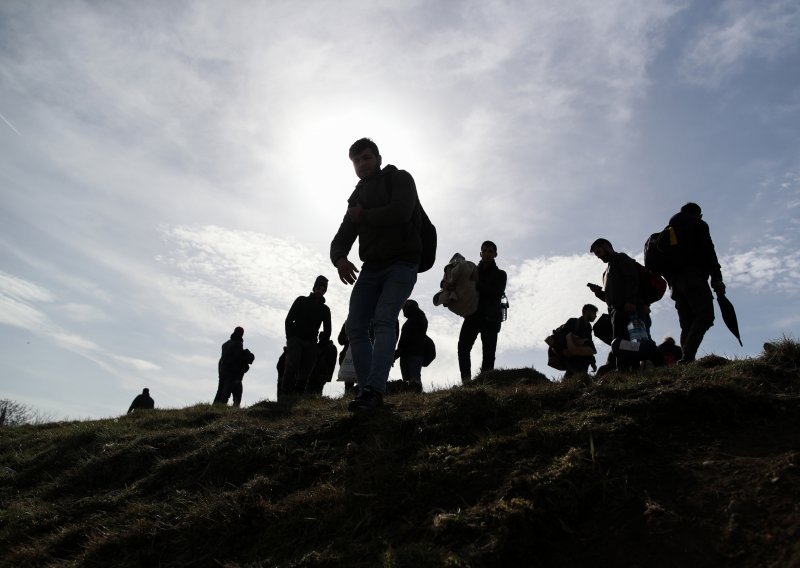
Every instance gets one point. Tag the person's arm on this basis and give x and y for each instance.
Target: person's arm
(709, 255)
(133, 404)
(342, 243)
(401, 207)
(290, 317)
(597, 290)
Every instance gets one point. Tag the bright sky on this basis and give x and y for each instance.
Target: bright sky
(170, 170)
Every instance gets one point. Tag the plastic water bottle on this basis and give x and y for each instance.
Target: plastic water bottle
(503, 308)
(636, 330)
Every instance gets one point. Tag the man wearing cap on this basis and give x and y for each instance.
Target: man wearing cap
(302, 325)
(142, 402)
(383, 213)
(229, 366)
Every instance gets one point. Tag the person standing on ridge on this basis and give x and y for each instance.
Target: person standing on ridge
(694, 264)
(411, 347)
(384, 214)
(230, 365)
(142, 402)
(487, 319)
(302, 325)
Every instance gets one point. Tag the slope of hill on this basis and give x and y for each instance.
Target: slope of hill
(695, 465)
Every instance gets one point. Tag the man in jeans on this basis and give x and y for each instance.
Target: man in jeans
(487, 318)
(383, 212)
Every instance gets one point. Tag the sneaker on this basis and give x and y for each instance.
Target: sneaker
(415, 386)
(367, 399)
(684, 361)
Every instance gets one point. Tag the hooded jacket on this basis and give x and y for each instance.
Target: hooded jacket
(696, 247)
(389, 230)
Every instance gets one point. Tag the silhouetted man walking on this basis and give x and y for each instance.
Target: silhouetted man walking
(384, 214)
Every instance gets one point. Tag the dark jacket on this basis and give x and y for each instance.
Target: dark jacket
(305, 317)
(142, 402)
(579, 327)
(491, 287)
(696, 247)
(390, 228)
(621, 282)
(230, 361)
(412, 334)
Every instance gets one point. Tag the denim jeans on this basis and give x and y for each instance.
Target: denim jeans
(378, 296)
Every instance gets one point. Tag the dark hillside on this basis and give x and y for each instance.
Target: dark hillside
(694, 466)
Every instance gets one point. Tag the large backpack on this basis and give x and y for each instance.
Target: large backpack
(430, 352)
(427, 233)
(662, 251)
(651, 285)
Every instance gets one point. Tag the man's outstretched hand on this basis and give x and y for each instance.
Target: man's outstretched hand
(347, 271)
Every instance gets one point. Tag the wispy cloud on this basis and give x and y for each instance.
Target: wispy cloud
(11, 126)
(741, 31)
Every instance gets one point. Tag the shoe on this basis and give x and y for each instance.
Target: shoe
(367, 399)
(415, 386)
(684, 361)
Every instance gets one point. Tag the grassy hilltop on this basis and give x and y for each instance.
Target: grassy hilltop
(687, 466)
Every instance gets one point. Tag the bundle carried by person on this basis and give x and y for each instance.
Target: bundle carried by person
(459, 292)
(565, 342)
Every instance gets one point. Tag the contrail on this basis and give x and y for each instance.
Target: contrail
(9, 124)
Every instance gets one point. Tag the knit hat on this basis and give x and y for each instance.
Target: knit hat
(238, 331)
(321, 281)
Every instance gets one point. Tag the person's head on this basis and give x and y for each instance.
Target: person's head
(320, 285)
(669, 340)
(488, 251)
(602, 249)
(692, 209)
(238, 332)
(365, 157)
(410, 306)
(146, 392)
(589, 312)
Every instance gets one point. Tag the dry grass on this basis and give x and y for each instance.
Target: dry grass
(693, 465)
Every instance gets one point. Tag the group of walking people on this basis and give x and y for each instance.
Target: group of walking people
(685, 257)
(385, 215)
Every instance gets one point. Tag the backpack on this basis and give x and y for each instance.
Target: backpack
(662, 252)
(603, 329)
(427, 233)
(558, 339)
(430, 352)
(651, 285)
